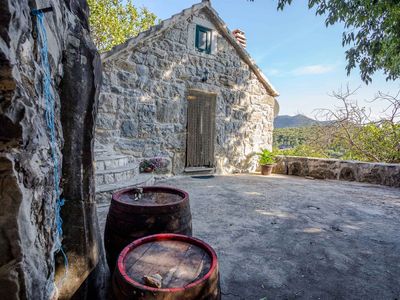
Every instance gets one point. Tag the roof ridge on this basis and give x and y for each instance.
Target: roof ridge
(158, 27)
(221, 26)
(245, 55)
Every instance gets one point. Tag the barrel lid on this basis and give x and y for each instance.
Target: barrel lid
(181, 261)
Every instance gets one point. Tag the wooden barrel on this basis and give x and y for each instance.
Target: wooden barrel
(138, 212)
(188, 269)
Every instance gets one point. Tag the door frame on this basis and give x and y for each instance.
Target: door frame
(188, 98)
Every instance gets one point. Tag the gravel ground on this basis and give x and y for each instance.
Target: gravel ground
(283, 237)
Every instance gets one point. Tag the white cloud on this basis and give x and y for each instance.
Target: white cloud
(313, 70)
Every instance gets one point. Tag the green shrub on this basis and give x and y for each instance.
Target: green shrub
(303, 150)
(266, 157)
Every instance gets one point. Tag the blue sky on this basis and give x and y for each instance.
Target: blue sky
(302, 58)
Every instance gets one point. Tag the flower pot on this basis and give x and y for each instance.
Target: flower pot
(148, 170)
(267, 169)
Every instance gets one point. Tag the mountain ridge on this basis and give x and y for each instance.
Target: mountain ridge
(299, 120)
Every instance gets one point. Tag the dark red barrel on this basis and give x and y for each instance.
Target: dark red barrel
(187, 268)
(138, 212)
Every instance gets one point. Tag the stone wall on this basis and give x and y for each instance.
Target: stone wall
(319, 168)
(143, 103)
(28, 262)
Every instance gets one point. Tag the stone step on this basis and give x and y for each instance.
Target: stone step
(112, 161)
(198, 171)
(138, 180)
(110, 156)
(110, 176)
(99, 151)
(131, 166)
(104, 192)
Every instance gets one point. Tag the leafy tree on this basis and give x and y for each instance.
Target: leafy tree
(381, 140)
(291, 137)
(372, 29)
(112, 22)
(304, 151)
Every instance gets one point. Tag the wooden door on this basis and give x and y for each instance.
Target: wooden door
(201, 129)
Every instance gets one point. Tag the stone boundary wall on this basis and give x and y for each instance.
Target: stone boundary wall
(321, 168)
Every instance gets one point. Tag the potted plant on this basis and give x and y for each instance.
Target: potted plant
(153, 164)
(146, 166)
(266, 160)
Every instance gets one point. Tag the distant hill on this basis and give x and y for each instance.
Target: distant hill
(294, 121)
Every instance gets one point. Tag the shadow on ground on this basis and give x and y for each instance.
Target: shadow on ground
(286, 237)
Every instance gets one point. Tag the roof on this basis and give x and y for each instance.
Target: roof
(218, 22)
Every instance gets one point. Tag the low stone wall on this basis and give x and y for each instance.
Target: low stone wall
(320, 168)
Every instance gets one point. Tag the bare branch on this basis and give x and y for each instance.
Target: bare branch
(351, 124)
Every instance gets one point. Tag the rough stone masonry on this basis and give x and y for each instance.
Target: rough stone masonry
(143, 101)
(325, 168)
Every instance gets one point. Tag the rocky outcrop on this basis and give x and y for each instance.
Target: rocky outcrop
(320, 168)
(27, 219)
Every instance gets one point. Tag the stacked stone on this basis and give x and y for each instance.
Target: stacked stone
(320, 168)
(114, 172)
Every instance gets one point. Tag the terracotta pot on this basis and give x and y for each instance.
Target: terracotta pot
(267, 169)
(148, 170)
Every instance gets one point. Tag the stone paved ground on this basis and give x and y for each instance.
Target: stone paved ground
(284, 237)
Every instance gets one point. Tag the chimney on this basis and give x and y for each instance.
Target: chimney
(240, 37)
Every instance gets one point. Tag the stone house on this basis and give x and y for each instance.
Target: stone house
(186, 90)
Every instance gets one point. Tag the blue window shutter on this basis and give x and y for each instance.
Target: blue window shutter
(203, 39)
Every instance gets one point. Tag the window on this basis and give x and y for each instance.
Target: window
(203, 39)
